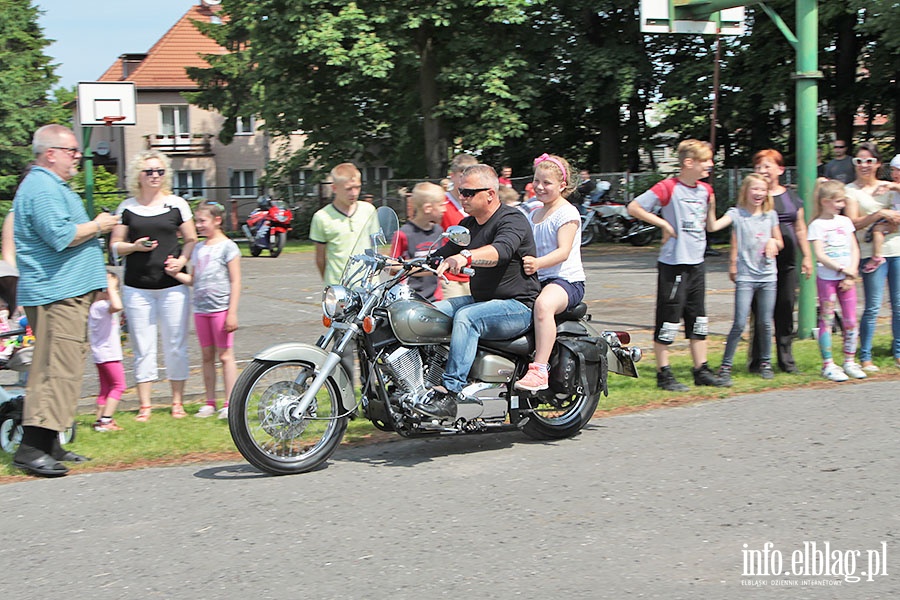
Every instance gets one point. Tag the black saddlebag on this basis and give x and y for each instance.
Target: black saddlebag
(578, 365)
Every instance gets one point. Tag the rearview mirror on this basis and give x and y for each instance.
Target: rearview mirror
(458, 235)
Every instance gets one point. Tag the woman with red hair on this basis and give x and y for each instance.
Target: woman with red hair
(770, 164)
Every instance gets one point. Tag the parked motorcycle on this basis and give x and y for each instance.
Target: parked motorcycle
(609, 221)
(290, 406)
(267, 226)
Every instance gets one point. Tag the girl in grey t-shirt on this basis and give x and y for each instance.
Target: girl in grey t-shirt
(755, 241)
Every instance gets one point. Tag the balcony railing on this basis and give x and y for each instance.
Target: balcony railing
(191, 144)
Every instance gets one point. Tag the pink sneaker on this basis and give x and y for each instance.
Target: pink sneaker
(872, 264)
(534, 380)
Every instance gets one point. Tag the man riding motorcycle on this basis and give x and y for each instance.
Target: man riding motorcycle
(502, 298)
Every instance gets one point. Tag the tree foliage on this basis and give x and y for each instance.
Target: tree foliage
(408, 84)
(26, 76)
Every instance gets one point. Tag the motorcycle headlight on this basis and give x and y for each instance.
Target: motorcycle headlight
(335, 300)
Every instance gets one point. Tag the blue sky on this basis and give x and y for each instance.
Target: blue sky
(91, 34)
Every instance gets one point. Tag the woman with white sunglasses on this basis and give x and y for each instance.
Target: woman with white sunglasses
(869, 200)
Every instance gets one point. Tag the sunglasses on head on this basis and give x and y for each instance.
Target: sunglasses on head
(864, 161)
(469, 192)
(150, 172)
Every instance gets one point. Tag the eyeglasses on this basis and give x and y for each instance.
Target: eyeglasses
(839, 147)
(864, 161)
(70, 151)
(150, 172)
(469, 192)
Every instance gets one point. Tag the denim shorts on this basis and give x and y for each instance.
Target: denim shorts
(574, 290)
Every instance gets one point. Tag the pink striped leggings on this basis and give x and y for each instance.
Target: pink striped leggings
(829, 295)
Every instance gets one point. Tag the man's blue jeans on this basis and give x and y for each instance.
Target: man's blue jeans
(491, 320)
(873, 287)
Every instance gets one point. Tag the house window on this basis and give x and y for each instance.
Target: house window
(189, 184)
(174, 124)
(244, 125)
(243, 183)
(375, 174)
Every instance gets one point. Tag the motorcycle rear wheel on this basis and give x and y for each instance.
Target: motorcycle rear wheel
(278, 244)
(262, 428)
(563, 419)
(642, 239)
(587, 235)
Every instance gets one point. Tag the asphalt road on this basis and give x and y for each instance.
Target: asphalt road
(663, 504)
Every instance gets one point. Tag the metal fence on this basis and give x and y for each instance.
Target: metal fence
(306, 199)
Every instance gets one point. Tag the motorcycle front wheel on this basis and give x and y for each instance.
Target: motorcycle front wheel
(259, 417)
(277, 244)
(561, 417)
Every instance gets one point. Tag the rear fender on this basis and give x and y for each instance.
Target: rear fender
(295, 351)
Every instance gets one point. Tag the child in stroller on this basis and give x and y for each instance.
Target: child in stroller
(15, 355)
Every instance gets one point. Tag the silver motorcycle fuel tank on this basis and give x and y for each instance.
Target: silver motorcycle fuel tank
(417, 322)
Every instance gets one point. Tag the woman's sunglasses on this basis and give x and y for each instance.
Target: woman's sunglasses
(150, 172)
(864, 161)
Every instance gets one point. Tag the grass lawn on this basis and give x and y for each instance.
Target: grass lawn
(164, 440)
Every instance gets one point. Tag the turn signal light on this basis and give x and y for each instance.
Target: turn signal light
(326, 321)
(368, 324)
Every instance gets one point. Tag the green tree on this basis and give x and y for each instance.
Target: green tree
(26, 76)
(398, 81)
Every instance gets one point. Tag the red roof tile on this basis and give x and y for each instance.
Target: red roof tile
(182, 46)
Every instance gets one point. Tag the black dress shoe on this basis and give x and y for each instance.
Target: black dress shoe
(439, 406)
(69, 456)
(42, 466)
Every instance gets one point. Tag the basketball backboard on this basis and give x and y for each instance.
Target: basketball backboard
(98, 100)
(658, 16)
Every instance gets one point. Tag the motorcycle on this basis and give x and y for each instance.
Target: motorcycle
(267, 226)
(290, 407)
(608, 221)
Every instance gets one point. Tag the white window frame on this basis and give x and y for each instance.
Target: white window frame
(241, 188)
(189, 189)
(180, 123)
(245, 125)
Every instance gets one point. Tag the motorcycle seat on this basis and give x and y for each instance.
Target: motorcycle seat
(567, 322)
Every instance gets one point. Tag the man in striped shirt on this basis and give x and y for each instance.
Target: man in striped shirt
(60, 269)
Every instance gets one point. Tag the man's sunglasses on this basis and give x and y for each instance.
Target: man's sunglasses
(150, 172)
(864, 161)
(469, 192)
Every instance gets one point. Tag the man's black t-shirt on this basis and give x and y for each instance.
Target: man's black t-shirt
(509, 232)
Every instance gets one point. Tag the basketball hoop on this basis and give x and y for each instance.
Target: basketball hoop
(108, 121)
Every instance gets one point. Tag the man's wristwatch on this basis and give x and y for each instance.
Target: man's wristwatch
(466, 255)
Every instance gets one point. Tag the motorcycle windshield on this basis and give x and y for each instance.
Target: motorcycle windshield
(375, 240)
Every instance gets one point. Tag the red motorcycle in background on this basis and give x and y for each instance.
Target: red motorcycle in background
(267, 226)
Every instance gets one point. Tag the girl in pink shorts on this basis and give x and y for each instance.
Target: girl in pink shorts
(216, 278)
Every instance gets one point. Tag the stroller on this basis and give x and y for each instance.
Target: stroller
(15, 355)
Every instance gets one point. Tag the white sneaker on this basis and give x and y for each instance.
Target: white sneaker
(206, 410)
(223, 412)
(871, 368)
(854, 370)
(834, 373)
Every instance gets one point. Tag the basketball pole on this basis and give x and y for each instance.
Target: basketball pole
(806, 78)
(88, 156)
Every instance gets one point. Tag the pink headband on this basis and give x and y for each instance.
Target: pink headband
(546, 156)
